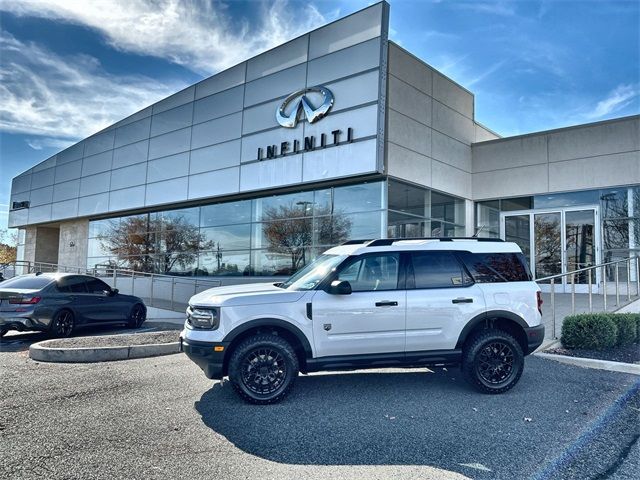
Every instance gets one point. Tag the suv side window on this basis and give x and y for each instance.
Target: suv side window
(497, 267)
(97, 286)
(72, 285)
(373, 272)
(438, 270)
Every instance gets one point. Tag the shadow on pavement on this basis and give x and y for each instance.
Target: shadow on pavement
(415, 417)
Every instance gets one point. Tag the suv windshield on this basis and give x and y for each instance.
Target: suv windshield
(310, 276)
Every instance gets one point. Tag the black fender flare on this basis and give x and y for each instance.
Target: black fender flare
(483, 317)
(271, 322)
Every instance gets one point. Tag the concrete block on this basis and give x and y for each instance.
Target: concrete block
(506, 153)
(452, 95)
(595, 172)
(409, 69)
(408, 133)
(590, 141)
(451, 180)
(452, 123)
(408, 165)
(409, 101)
(483, 134)
(514, 182)
(451, 151)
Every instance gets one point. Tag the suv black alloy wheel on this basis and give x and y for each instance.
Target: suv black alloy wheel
(263, 368)
(492, 361)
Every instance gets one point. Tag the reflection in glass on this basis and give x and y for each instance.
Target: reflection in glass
(226, 213)
(219, 262)
(358, 198)
(580, 248)
(517, 230)
(229, 237)
(548, 246)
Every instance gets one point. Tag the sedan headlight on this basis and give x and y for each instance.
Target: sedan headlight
(205, 318)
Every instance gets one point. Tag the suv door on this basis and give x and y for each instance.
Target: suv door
(441, 299)
(369, 320)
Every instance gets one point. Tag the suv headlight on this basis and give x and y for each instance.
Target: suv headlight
(206, 318)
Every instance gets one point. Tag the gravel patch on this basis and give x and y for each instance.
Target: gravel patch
(115, 340)
(628, 354)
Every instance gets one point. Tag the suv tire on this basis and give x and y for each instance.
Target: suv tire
(492, 361)
(263, 369)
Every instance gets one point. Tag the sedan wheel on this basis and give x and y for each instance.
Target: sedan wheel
(137, 316)
(62, 324)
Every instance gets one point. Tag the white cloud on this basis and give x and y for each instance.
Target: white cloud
(48, 142)
(505, 9)
(198, 34)
(618, 99)
(488, 72)
(65, 97)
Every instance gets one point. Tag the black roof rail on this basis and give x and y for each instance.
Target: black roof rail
(383, 242)
(357, 242)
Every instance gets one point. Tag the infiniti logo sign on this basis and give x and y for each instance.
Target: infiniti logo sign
(302, 104)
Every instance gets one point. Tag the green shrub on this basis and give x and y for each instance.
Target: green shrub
(590, 331)
(627, 324)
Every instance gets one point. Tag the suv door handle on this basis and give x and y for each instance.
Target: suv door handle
(462, 300)
(386, 303)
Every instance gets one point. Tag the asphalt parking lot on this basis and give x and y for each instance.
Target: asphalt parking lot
(161, 418)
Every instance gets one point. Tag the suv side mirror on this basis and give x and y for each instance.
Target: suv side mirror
(340, 287)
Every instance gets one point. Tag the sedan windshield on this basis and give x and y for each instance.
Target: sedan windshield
(310, 276)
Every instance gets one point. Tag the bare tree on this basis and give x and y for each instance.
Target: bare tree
(289, 232)
(157, 244)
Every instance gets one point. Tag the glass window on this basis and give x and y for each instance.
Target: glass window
(278, 207)
(358, 198)
(496, 267)
(362, 225)
(511, 204)
(183, 218)
(408, 199)
(97, 286)
(437, 228)
(101, 227)
(373, 273)
(27, 282)
(332, 230)
(589, 197)
(72, 284)
(226, 213)
(614, 203)
(488, 219)
(322, 203)
(223, 263)
(229, 237)
(183, 263)
(437, 270)
(447, 208)
(616, 234)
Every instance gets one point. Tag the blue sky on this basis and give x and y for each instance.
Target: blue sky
(69, 69)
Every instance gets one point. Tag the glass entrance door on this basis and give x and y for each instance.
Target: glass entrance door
(556, 241)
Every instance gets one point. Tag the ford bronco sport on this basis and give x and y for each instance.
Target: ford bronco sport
(373, 303)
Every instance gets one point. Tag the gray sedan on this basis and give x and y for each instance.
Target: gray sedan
(58, 303)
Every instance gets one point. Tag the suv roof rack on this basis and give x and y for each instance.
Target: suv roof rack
(358, 242)
(382, 242)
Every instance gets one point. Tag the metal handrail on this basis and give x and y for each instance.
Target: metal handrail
(114, 274)
(591, 272)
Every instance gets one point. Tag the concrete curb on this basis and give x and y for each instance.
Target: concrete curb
(40, 352)
(593, 363)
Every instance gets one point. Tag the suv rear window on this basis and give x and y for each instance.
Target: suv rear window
(27, 283)
(437, 270)
(497, 267)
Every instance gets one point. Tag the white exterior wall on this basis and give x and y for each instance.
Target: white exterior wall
(598, 155)
(202, 142)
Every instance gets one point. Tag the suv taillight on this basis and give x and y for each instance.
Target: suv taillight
(539, 300)
(24, 300)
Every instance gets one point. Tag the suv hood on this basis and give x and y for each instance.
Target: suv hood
(248, 294)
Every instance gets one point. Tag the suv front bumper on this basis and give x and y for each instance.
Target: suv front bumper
(209, 356)
(535, 337)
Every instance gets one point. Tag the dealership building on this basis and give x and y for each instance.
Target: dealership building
(338, 134)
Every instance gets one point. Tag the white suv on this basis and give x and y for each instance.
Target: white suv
(370, 304)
